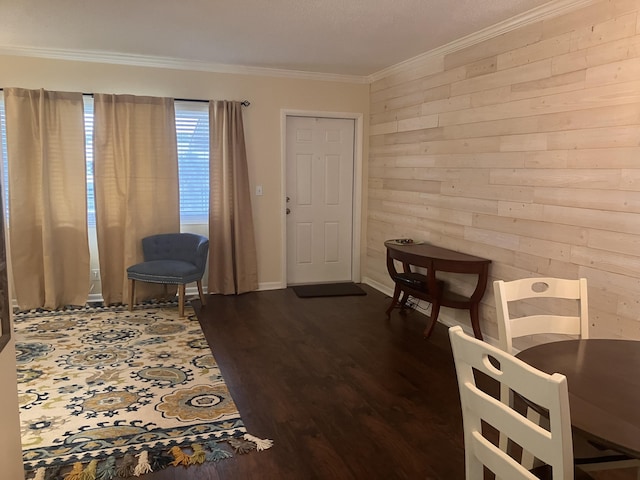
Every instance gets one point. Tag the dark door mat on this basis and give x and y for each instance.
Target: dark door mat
(328, 290)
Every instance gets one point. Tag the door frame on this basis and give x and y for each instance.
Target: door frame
(357, 184)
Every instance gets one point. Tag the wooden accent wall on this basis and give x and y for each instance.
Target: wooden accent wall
(524, 149)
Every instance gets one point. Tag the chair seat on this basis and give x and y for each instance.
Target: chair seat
(174, 272)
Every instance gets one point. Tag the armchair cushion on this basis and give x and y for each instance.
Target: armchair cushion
(172, 272)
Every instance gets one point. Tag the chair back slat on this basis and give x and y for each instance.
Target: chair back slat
(510, 327)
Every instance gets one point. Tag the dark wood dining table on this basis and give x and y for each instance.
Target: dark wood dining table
(603, 377)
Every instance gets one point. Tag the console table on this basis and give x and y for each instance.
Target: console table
(428, 287)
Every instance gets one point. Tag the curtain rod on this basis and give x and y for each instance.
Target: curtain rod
(244, 103)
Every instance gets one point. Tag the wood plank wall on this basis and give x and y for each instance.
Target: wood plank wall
(524, 149)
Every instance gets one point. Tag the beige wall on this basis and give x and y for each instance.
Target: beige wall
(268, 97)
(523, 149)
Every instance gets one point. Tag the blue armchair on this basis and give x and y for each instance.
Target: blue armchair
(171, 259)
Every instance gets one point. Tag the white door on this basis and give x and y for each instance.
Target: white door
(319, 189)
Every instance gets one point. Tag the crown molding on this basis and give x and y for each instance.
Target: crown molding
(548, 10)
(173, 63)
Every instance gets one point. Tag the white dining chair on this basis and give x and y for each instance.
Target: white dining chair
(569, 320)
(552, 446)
(568, 323)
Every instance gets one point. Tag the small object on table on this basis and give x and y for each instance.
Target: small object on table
(405, 241)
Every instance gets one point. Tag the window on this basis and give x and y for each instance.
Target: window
(88, 149)
(5, 164)
(192, 132)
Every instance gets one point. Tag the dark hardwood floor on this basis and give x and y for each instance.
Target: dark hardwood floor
(343, 392)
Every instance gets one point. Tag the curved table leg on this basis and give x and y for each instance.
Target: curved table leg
(396, 295)
(475, 320)
(403, 301)
(435, 310)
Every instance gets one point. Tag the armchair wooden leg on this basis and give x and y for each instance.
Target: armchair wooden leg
(181, 291)
(132, 286)
(202, 298)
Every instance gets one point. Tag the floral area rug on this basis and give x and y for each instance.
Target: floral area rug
(106, 393)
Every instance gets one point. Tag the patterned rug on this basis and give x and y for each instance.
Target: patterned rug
(128, 392)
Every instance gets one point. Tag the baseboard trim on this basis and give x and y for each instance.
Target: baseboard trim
(443, 318)
(271, 286)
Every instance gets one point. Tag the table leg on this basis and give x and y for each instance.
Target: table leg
(435, 311)
(475, 320)
(396, 295)
(403, 301)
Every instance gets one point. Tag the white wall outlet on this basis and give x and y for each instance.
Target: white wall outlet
(95, 274)
(258, 190)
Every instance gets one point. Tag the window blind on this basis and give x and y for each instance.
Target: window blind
(5, 162)
(88, 148)
(192, 132)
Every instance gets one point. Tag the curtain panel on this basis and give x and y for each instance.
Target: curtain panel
(232, 260)
(48, 237)
(136, 184)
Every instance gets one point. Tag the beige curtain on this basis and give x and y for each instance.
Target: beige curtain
(49, 244)
(136, 184)
(232, 259)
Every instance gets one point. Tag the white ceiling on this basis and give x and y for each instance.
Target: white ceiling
(346, 37)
